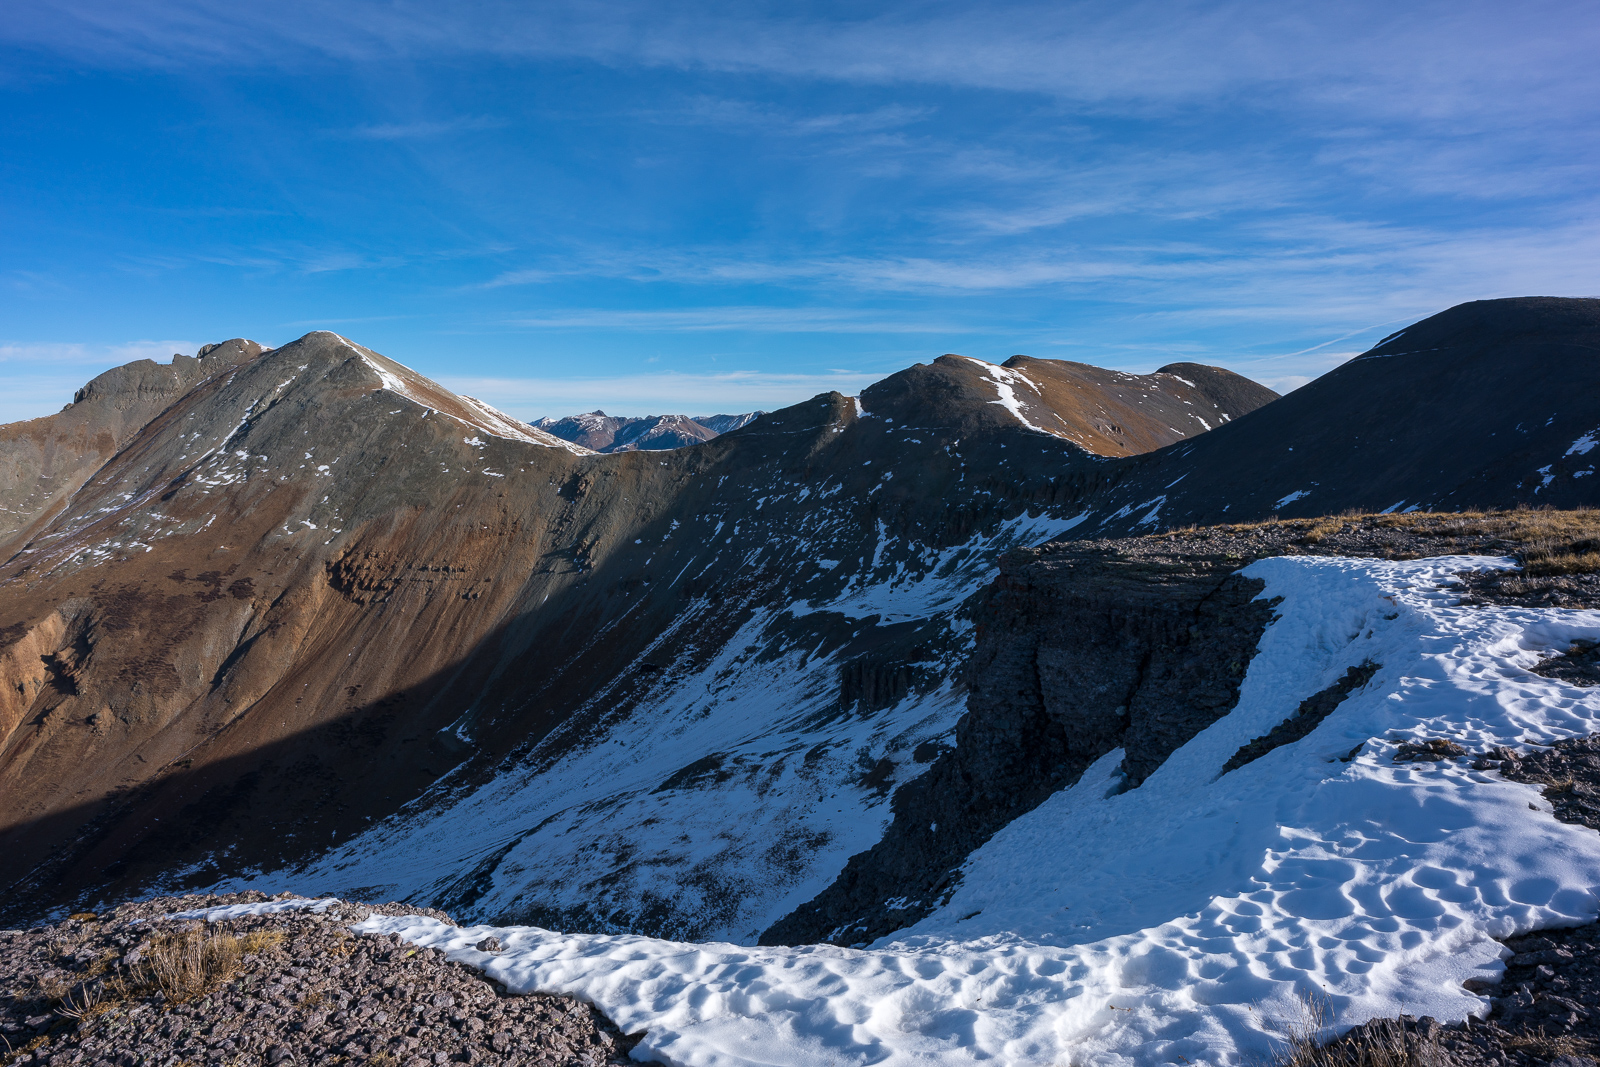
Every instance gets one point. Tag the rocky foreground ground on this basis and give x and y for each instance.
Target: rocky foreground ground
(129, 988)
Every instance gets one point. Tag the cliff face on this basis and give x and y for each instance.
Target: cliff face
(1138, 644)
(1083, 648)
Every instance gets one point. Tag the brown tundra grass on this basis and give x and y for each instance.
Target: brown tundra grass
(1546, 542)
(1380, 1043)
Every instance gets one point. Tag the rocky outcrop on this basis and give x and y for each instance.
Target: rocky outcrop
(295, 987)
(1086, 647)
(1307, 717)
(44, 461)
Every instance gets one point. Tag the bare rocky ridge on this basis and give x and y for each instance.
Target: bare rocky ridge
(607, 433)
(292, 988)
(44, 461)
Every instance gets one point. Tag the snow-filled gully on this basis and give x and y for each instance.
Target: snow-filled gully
(1182, 920)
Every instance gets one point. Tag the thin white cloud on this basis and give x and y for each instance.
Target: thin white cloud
(1466, 60)
(78, 353)
(769, 118)
(405, 131)
(755, 319)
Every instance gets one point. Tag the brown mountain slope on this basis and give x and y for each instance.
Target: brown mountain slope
(1106, 412)
(319, 588)
(44, 461)
(1489, 404)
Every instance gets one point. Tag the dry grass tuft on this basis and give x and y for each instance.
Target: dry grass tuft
(260, 941)
(1546, 1046)
(187, 964)
(85, 1004)
(1551, 556)
(1379, 1043)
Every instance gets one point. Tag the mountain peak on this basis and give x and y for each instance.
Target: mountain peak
(1104, 412)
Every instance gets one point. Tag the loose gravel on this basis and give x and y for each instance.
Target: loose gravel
(286, 989)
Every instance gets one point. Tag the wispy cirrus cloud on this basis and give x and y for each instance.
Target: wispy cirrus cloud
(77, 353)
(1468, 59)
(754, 319)
(775, 119)
(411, 131)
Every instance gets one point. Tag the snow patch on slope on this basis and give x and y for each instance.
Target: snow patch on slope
(1004, 379)
(1180, 918)
(728, 796)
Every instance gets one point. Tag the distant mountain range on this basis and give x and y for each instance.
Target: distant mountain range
(302, 617)
(600, 432)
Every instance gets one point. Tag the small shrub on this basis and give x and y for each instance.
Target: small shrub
(85, 1004)
(53, 985)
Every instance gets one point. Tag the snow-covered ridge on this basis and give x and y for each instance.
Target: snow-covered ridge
(467, 410)
(1180, 919)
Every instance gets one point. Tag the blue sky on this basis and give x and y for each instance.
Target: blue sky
(704, 207)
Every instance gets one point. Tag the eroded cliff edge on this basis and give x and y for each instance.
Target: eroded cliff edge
(1137, 643)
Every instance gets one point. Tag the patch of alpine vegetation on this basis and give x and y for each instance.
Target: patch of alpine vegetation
(1306, 718)
(239, 979)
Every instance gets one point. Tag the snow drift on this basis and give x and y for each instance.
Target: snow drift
(1187, 917)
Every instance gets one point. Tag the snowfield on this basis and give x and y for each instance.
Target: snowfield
(1186, 917)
